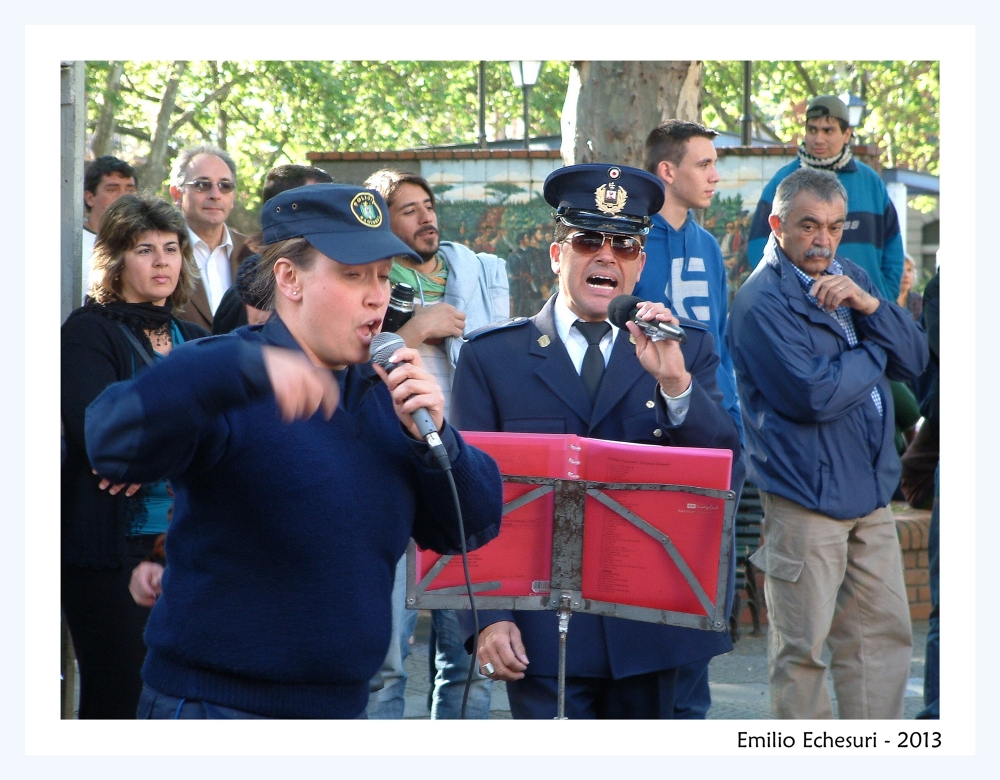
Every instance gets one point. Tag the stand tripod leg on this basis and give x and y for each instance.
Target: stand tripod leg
(565, 612)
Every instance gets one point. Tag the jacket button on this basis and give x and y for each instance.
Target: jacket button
(650, 404)
(657, 433)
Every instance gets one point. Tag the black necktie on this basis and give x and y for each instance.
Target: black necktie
(593, 359)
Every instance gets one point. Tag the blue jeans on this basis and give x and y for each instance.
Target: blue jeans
(388, 702)
(932, 703)
(449, 668)
(154, 705)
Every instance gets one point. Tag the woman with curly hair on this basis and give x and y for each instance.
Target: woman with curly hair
(142, 273)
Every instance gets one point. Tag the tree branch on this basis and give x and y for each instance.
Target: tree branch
(134, 132)
(800, 69)
(215, 96)
(106, 118)
(156, 169)
(201, 130)
(731, 125)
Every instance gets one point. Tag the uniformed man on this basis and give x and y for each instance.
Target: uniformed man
(569, 370)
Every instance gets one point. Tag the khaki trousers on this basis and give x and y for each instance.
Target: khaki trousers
(839, 582)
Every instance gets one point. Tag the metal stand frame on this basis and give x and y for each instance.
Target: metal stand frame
(566, 577)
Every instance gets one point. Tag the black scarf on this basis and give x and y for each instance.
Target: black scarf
(138, 317)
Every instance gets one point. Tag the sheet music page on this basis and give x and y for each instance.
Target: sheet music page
(625, 565)
(520, 558)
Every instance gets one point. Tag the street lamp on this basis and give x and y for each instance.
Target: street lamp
(525, 76)
(855, 108)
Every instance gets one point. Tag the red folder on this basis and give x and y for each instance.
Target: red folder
(622, 563)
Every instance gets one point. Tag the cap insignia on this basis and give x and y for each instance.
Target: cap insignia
(614, 173)
(610, 198)
(366, 210)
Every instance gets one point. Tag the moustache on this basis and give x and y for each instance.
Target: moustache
(426, 230)
(819, 251)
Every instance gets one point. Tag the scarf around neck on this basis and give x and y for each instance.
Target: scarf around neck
(835, 163)
(139, 317)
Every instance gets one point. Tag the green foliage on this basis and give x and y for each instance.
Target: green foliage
(267, 113)
(903, 98)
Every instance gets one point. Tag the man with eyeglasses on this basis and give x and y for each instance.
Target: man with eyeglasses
(203, 185)
(569, 370)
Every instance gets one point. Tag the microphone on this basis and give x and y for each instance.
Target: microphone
(381, 350)
(624, 308)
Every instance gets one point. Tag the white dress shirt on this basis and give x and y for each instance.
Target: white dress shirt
(576, 345)
(88, 250)
(214, 266)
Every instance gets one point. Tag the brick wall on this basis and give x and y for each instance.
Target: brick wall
(912, 526)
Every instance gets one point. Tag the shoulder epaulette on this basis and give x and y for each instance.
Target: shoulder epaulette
(692, 324)
(513, 322)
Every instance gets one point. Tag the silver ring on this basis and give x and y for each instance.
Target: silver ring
(487, 669)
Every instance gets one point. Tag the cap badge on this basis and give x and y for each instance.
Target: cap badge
(614, 173)
(610, 198)
(366, 210)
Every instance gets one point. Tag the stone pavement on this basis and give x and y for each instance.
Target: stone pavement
(738, 679)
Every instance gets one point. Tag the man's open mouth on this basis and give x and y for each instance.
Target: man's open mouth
(602, 282)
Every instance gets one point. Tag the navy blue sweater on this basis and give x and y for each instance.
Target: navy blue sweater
(284, 539)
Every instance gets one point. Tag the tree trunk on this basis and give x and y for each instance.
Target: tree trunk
(152, 175)
(611, 107)
(100, 144)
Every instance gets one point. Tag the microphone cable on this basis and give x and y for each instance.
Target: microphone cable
(380, 354)
(468, 584)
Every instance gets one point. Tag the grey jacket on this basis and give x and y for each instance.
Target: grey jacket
(477, 285)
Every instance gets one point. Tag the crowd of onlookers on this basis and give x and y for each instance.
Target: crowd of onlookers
(793, 355)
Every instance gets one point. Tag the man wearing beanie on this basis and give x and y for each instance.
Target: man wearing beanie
(871, 231)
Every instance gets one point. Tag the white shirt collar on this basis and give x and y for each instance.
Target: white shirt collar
(227, 240)
(573, 339)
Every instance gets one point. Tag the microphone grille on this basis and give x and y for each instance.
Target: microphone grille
(383, 346)
(620, 309)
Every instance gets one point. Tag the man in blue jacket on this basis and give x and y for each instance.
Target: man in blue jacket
(569, 370)
(814, 344)
(684, 271)
(871, 236)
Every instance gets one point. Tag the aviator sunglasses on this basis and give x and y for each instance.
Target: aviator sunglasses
(204, 185)
(590, 242)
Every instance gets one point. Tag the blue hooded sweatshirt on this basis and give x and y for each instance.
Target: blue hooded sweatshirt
(684, 270)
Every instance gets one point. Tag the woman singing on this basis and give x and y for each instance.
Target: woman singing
(298, 474)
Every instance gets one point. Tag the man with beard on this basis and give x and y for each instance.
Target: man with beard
(458, 291)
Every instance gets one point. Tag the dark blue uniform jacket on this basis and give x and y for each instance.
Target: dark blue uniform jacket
(507, 381)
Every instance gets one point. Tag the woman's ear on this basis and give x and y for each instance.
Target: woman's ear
(287, 280)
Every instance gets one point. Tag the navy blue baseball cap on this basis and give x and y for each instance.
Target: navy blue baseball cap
(605, 197)
(346, 223)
